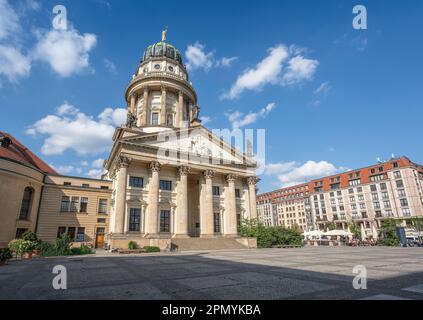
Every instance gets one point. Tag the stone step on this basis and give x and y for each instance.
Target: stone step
(188, 244)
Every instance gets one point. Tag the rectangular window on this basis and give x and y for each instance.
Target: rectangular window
(376, 205)
(360, 197)
(404, 202)
(64, 206)
(350, 191)
(373, 188)
(399, 183)
(165, 185)
(383, 186)
(216, 222)
(102, 206)
(84, 204)
(60, 231)
(359, 189)
(155, 118)
(237, 193)
(401, 193)
(385, 195)
(74, 204)
(71, 232)
(85, 185)
(406, 212)
(101, 220)
(80, 235)
(136, 182)
(100, 231)
(352, 199)
(19, 232)
(216, 191)
(362, 206)
(134, 219)
(387, 204)
(67, 184)
(397, 174)
(375, 196)
(355, 182)
(164, 221)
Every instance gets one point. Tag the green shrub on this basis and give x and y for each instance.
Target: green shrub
(47, 249)
(132, 245)
(270, 236)
(149, 249)
(388, 232)
(62, 245)
(5, 254)
(29, 235)
(82, 250)
(20, 246)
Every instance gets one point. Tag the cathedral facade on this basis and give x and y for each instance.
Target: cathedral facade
(171, 177)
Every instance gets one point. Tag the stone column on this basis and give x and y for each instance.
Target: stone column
(163, 108)
(145, 113)
(206, 220)
(151, 227)
(181, 223)
(252, 181)
(120, 201)
(180, 112)
(230, 221)
(133, 101)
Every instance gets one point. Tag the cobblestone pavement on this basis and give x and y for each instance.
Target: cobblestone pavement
(306, 273)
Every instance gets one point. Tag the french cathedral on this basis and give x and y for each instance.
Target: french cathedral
(166, 180)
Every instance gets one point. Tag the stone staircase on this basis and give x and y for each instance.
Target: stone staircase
(192, 244)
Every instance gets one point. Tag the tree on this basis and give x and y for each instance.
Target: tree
(330, 226)
(388, 232)
(355, 229)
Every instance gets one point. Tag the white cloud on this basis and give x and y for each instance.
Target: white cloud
(77, 131)
(9, 20)
(67, 109)
(299, 69)
(32, 5)
(110, 66)
(308, 171)
(266, 71)
(225, 62)
(205, 120)
(238, 119)
(66, 51)
(97, 163)
(95, 173)
(324, 88)
(197, 58)
(271, 71)
(276, 168)
(13, 64)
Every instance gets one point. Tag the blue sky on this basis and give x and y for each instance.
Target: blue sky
(342, 97)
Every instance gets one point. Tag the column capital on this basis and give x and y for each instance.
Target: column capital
(208, 174)
(124, 162)
(184, 170)
(252, 180)
(155, 166)
(230, 177)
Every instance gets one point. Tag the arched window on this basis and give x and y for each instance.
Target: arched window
(26, 203)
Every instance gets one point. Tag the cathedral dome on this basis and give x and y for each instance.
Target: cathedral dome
(162, 49)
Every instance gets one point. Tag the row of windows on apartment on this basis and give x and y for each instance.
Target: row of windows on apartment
(80, 204)
(84, 185)
(76, 234)
(287, 191)
(406, 212)
(166, 185)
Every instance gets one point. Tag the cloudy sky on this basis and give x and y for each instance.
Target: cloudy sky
(330, 97)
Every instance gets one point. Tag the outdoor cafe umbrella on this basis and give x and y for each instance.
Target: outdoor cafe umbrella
(374, 232)
(363, 232)
(340, 233)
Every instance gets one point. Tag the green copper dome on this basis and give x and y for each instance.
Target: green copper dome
(162, 49)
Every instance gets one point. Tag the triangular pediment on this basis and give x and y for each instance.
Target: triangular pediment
(197, 145)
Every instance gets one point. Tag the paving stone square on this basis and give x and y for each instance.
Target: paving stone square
(305, 273)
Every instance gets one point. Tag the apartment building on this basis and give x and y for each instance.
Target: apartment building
(391, 189)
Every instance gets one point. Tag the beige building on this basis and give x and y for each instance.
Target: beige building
(34, 197)
(173, 178)
(391, 189)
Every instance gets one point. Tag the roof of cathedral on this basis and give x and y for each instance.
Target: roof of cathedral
(162, 49)
(12, 149)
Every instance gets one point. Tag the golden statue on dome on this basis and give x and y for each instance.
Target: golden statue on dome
(164, 33)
